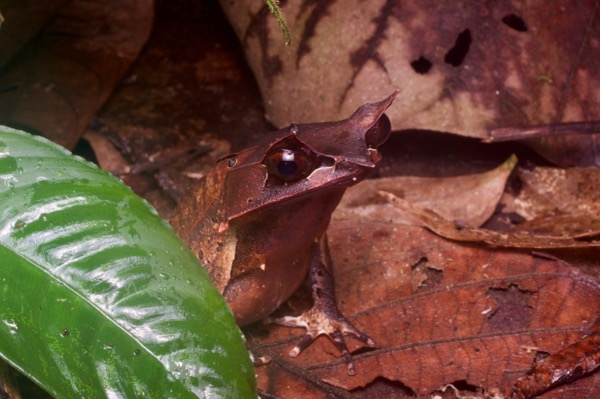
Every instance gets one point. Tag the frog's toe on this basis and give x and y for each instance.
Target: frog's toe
(330, 323)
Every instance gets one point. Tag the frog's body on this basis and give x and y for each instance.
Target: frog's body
(258, 219)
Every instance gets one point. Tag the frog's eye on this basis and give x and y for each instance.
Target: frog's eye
(289, 165)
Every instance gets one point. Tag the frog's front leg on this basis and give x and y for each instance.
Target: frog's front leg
(324, 318)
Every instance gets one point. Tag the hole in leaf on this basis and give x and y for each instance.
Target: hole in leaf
(421, 65)
(425, 275)
(539, 356)
(456, 55)
(515, 22)
(513, 311)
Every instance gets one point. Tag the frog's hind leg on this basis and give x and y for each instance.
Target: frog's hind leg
(324, 318)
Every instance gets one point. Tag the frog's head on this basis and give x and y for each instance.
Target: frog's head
(307, 158)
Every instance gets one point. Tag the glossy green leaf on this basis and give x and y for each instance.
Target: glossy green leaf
(99, 298)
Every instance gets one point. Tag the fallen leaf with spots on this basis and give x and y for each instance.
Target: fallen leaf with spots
(461, 67)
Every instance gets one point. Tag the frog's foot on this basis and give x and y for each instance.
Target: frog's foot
(325, 320)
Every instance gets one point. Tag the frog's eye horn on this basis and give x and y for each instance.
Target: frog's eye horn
(289, 165)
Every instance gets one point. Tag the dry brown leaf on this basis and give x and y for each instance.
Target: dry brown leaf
(468, 200)
(61, 78)
(440, 313)
(108, 157)
(565, 144)
(556, 201)
(462, 67)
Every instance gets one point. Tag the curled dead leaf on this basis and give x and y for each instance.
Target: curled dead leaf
(468, 200)
(451, 230)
